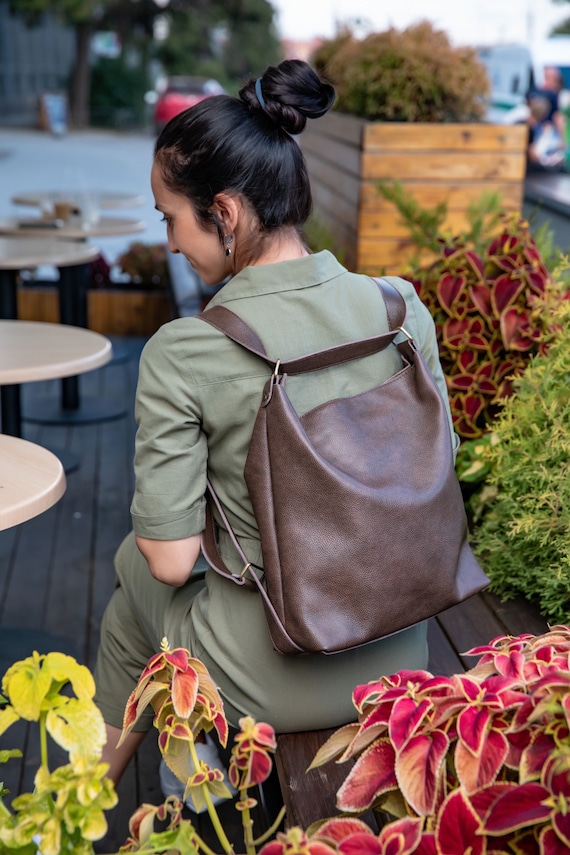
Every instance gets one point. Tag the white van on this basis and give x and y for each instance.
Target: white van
(514, 69)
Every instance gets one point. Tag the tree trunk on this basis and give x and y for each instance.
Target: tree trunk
(80, 87)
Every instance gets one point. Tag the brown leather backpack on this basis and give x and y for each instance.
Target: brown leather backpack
(360, 514)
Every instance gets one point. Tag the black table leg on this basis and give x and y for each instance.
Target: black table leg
(72, 287)
(11, 410)
(10, 399)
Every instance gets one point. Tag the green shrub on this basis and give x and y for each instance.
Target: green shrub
(523, 540)
(410, 75)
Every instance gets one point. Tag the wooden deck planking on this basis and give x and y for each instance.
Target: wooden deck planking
(56, 576)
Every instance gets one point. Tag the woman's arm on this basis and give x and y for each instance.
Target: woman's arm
(170, 561)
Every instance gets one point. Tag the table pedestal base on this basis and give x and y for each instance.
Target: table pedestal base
(48, 412)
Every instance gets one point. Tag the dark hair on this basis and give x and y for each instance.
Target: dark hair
(237, 145)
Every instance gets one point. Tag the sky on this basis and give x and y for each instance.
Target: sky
(467, 22)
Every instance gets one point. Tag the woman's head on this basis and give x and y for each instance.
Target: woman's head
(243, 148)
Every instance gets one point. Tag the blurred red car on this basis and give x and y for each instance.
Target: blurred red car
(180, 93)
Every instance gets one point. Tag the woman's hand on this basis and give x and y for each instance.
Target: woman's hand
(170, 561)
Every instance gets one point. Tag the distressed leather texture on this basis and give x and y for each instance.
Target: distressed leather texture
(361, 518)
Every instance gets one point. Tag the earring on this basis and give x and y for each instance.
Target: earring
(229, 239)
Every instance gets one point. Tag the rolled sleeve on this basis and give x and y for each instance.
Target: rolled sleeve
(170, 447)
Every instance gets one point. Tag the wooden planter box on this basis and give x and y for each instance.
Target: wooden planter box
(454, 163)
(111, 312)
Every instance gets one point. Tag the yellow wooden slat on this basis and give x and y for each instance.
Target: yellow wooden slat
(456, 195)
(389, 224)
(473, 137)
(447, 166)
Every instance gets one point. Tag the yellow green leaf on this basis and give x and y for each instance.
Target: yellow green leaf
(27, 684)
(7, 717)
(78, 727)
(63, 668)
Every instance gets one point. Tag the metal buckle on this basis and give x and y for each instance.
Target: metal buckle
(276, 370)
(245, 569)
(406, 333)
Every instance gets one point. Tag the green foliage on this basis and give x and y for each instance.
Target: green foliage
(117, 90)
(412, 75)
(318, 236)
(229, 41)
(524, 539)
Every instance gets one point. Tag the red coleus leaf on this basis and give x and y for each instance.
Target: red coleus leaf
(481, 298)
(476, 262)
(458, 828)
(517, 330)
(401, 837)
(449, 290)
(504, 293)
(372, 774)
(538, 279)
(339, 828)
(418, 768)
(466, 360)
(407, 716)
(551, 844)
(521, 805)
(476, 771)
(466, 332)
(472, 725)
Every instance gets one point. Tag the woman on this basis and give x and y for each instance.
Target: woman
(232, 186)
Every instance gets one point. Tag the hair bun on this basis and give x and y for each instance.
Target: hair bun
(289, 94)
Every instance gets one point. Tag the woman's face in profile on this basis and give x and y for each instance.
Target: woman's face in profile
(185, 234)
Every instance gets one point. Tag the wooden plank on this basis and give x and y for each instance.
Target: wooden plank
(457, 195)
(327, 150)
(442, 657)
(328, 200)
(309, 796)
(385, 250)
(344, 185)
(390, 224)
(517, 615)
(433, 164)
(446, 136)
(38, 304)
(468, 625)
(127, 312)
(334, 125)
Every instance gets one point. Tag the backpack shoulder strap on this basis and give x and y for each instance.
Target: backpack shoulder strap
(237, 330)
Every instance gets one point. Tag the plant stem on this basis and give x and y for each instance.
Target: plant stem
(247, 823)
(43, 739)
(271, 831)
(212, 813)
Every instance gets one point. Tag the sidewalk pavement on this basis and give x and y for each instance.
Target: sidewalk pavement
(105, 161)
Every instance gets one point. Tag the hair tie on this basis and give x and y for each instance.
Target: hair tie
(259, 94)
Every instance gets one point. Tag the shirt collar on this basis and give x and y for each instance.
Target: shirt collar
(302, 272)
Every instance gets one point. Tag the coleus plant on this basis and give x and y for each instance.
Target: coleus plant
(474, 763)
(491, 311)
(490, 293)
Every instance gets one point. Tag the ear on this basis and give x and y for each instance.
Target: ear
(227, 209)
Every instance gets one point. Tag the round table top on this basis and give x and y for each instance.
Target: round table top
(105, 227)
(106, 201)
(33, 350)
(31, 480)
(19, 252)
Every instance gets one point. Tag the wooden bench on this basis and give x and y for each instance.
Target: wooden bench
(311, 796)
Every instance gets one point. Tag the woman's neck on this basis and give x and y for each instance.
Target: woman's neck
(283, 247)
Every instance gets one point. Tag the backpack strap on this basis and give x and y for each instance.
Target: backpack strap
(237, 330)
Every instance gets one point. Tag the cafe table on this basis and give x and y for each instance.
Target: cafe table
(32, 351)
(105, 201)
(32, 479)
(72, 293)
